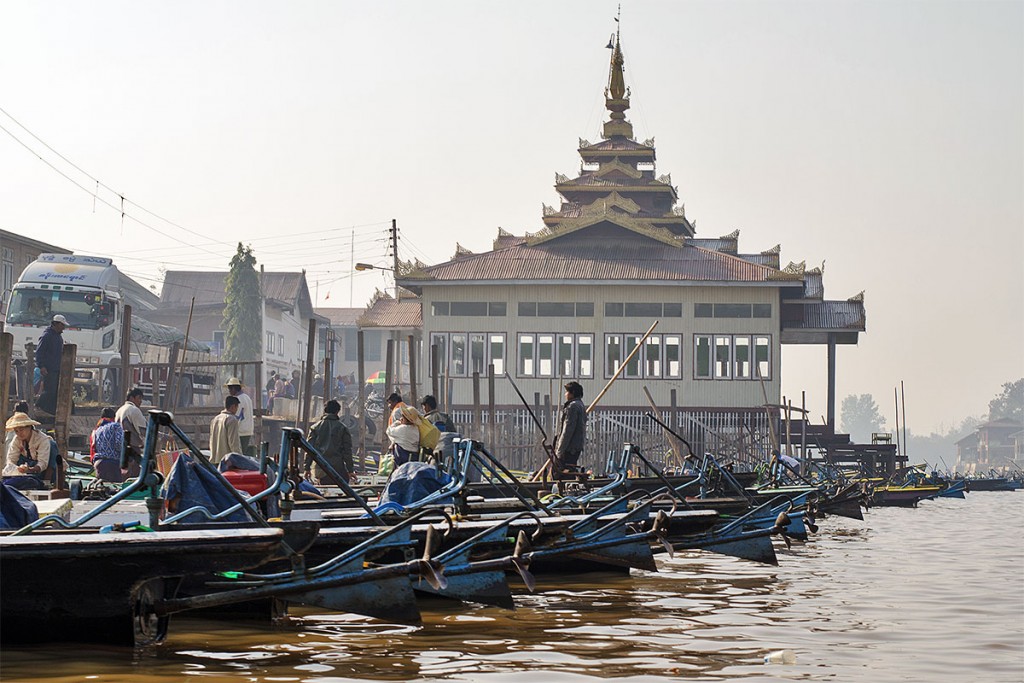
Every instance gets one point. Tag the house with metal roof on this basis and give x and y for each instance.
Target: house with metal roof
(287, 310)
(577, 298)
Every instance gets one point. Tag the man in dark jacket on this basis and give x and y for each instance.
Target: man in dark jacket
(572, 428)
(434, 416)
(48, 361)
(332, 439)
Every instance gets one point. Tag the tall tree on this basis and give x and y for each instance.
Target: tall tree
(1009, 404)
(859, 417)
(243, 302)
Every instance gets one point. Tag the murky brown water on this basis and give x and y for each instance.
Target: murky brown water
(933, 594)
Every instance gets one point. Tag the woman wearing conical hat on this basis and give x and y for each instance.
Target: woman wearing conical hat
(28, 455)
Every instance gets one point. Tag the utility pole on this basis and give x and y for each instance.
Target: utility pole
(394, 254)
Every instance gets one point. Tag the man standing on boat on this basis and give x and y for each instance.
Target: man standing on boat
(224, 431)
(48, 361)
(572, 429)
(332, 439)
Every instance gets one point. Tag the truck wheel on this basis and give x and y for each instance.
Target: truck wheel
(108, 387)
(184, 392)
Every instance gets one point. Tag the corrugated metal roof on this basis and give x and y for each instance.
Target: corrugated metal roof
(831, 315)
(770, 260)
(388, 313)
(814, 287)
(208, 288)
(722, 244)
(341, 317)
(601, 259)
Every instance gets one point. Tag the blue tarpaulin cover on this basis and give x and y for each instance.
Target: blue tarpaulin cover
(197, 486)
(414, 481)
(15, 509)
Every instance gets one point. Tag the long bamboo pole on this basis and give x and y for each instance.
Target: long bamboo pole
(547, 466)
(622, 367)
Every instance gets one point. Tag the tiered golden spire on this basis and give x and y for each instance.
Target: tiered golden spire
(616, 95)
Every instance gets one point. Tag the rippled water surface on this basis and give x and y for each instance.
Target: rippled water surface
(929, 594)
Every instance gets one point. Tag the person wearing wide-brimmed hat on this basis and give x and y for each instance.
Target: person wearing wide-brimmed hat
(245, 415)
(28, 455)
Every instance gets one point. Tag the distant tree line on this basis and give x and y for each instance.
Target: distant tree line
(860, 417)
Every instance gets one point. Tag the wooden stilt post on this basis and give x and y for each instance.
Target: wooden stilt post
(492, 440)
(389, 359)
(412, 371)
(125, 382)
(171, 367)
(307, 377)
(476, 404)
(6, 354)
(361, 399)
(65, 393)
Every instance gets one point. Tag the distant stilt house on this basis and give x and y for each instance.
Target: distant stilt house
(574, 299)
(993, 445)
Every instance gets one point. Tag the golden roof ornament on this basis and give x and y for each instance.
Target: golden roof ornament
(616, 95)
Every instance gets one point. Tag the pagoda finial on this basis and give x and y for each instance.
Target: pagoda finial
(616, 95)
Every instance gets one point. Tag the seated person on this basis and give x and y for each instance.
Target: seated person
(405, 437)
(106, 443)
(28, 455)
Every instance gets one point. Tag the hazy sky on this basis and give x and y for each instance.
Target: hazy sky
(884, 138)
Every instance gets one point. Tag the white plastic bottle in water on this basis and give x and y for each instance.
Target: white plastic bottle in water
(780, 657)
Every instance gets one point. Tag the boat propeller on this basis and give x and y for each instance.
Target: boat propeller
(427, 567)
(781, 524)
(522, 564)
(660, 531)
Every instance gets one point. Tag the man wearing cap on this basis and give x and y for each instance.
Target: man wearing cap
(246, 418)
(28, 455)
(48, 361)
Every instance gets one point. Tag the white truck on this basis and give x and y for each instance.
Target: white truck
(87, 290)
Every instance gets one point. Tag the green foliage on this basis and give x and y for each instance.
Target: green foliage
(859, 417)
(243, 301)
(1009, 404)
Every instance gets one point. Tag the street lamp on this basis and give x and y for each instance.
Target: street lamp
(370, 266)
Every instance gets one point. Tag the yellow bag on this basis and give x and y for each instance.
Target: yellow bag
(386, 466)
(429, 434)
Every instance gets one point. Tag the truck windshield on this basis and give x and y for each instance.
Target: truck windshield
(83, 310)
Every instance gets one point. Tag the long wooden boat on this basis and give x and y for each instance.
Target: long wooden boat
(92, 587)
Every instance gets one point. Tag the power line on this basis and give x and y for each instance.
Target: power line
(121, 210)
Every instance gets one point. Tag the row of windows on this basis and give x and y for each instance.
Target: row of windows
(469, 308)
(549, 354)
(460, 354)
(585, 309)
(276, 344)
(643, 310)
(732, 310)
